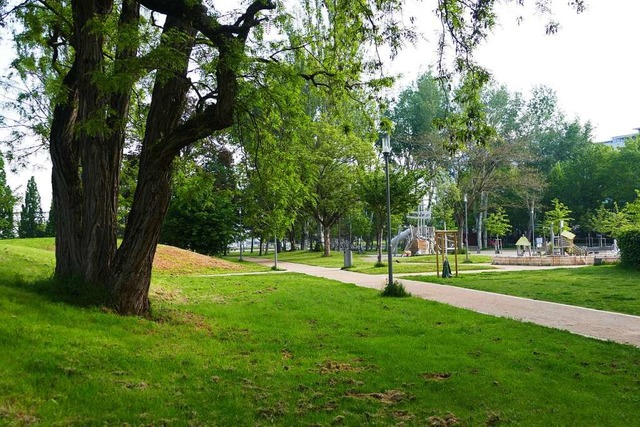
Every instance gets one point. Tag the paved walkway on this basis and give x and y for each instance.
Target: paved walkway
(588, 322)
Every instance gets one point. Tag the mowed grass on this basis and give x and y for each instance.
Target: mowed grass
(606, 287)
(287, 349)
(366, 263)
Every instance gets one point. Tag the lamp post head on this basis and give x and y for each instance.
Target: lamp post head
(465, 197)
(386, 144)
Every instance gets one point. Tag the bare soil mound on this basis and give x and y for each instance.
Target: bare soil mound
(170, 259)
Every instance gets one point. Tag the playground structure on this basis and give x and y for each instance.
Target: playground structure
(563, 244)
(417, 241)
(560, 250)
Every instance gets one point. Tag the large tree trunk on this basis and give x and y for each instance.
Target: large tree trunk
(131, 273)
(88, 134)
(65, 181)
(98, 225)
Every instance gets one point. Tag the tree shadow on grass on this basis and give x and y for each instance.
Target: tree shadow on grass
(72, 291)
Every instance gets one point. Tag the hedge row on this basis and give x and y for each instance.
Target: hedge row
(629, 243)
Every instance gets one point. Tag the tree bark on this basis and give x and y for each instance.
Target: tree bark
(98, 225)
(326, 231)
(65, 181)
(131, 273)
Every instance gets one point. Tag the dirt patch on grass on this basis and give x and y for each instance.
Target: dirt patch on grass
(166, 295)
(388, 397)
(16, 416)
(436, 376)
(446, 421)
(170, 259)
(332, 367)
(178, 317)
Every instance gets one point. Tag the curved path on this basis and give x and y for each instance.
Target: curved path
(621, 328)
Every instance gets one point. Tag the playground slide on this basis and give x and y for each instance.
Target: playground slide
(397, 239)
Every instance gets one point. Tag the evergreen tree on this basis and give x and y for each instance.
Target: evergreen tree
(50, 229)
(7, 202)
(31, 217)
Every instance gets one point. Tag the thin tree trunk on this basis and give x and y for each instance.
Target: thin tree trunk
(326, 232)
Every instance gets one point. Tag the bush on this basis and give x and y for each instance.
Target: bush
(629, 244)
(395, 289)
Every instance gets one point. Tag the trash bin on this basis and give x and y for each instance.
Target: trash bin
(347, 259)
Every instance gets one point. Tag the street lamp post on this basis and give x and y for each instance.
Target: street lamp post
(386, 151)
(533, 230)
(241, 236)
(466, 229)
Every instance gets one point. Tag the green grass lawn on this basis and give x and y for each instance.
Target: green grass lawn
(405, 267)
(365, 263)
(289, 349)
(606, 287)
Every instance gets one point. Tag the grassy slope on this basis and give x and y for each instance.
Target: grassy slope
(292, 350)
(607, 287)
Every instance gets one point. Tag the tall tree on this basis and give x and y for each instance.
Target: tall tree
(7, 203)
(406, 190)
(335, 157)
(32, 223)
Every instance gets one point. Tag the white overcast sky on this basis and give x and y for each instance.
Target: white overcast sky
(592, 63)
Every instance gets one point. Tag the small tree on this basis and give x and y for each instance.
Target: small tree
(7, 202)
(609, 222)
(498, 224)
(560, 212)
(32, 222)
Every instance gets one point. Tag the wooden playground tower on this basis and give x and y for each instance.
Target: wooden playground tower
(442, 237)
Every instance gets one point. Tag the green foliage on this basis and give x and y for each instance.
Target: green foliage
(334, 154)
(416, 142)
(32, 222)
(560, 212)
(497, 223)
(468, 125)
(394, 290)
(622, 177)
(7, 203)
(633, 210)
(610, 222)
(629, 243)
(405, 188)
(127, 188)
(50, 228)
(203, 214)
